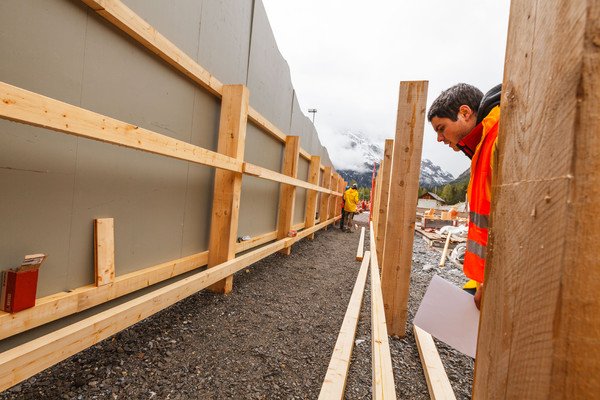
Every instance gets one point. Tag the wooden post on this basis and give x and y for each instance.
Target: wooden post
(311, 200)
(539, 329)
(383, 197)
(228, 184)
(332, 199)
(404, 186)
(104, 250)
(376, 200)
(288, 192)
(325, 197)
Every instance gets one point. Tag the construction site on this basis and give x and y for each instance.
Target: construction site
(171, 221)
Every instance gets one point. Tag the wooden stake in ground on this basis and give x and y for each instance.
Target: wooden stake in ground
(228, 184)
(404, 186)
(539, 331)
(324, 211)
(311, 199)
(384, 181)
(445, 252)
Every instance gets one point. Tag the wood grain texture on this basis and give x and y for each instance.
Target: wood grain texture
(383, 197)
(337, 371)
(104, 250)
(228, 185)
(288, 192)
(311, 200)
(383, 386)
(324, 209)
(361, 245)
(539, 331)
(404, 187)
(435, 374)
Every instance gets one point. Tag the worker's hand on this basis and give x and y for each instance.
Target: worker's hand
(477, 296)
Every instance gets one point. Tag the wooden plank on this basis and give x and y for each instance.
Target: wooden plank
(333, 186)
(435, 374)
(19, 105)
(383, 374)
(383, 196)
(539, 327)
(104, 251)
(288, 192)
(228, 185)
(376, 199)
(337, 371)
(324, 212)
(361, 245)
(255, 241)
(133, 25)
(404, 187)
(21, 362)
(311, 201)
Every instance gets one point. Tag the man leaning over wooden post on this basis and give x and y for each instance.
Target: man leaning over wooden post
(467, 120)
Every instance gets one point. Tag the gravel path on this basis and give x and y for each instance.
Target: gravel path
(271, 338)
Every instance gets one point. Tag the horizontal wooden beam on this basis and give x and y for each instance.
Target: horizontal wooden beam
(264, 173)
(334, 383)
(383, 374)
(20, 105)
(21, 362)
(435, 374)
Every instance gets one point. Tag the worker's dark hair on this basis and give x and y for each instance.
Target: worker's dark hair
(449, 101)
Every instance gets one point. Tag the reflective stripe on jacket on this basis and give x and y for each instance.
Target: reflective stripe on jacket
(479, 194)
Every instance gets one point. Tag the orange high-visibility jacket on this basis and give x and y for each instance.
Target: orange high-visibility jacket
(479, 194)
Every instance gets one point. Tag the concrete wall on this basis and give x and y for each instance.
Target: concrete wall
(53, 185)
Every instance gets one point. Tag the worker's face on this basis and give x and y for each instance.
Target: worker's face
(451, 132)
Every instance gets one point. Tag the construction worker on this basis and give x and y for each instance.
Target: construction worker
(351, 199)
(343, 219)
(467, 120)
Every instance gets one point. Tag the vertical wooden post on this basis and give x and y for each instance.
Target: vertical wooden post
(332, 199)
(104, 250)
(311, 200)
(386, 167)
(325, 197)
(404, 187)
(539, 331)
(288, 192)
(228, 185)
(376, 201)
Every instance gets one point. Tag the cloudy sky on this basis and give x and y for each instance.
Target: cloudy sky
(347, 58)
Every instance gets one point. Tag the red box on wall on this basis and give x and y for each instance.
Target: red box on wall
(18, 290)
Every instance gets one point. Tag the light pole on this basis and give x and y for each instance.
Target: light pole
(313, 111)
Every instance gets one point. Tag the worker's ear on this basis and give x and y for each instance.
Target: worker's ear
(465, 112)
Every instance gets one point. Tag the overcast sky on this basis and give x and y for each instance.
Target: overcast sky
(347, 58)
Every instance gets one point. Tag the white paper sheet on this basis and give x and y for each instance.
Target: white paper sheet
(449, 314)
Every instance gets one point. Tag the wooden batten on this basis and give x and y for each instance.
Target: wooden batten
(104, 251)
(324, 211)
(383, 386)
(337, 371)
(288, 192)
(228, 184)
(361, 245)
(435, 374)
(404, 187)
(311, 200)
(383, 197)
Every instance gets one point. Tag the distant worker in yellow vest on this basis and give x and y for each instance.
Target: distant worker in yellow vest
(351, 199)
(467, 120)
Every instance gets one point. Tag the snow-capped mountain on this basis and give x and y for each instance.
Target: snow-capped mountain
(364, 154)
(433, 175)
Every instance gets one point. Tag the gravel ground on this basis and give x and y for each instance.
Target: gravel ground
(270, 338)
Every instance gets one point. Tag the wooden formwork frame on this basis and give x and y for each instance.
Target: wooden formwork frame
(19, 105)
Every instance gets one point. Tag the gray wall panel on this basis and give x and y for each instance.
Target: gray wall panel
(269, 78)
(259, 208)
(225, 39)
(178, 21)
(53, 185)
